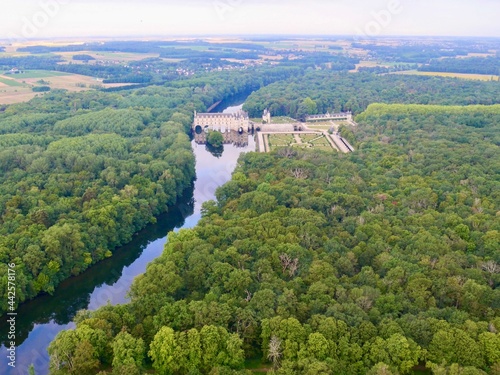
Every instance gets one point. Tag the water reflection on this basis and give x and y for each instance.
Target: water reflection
(215, 151)
(230, 137)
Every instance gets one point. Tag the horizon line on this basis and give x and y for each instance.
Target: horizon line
(159, 37)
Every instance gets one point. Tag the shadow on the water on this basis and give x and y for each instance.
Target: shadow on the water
(40, 320)
(74, 294)
(215, 151)
(231, 101)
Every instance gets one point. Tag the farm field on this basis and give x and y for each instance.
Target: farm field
(480, 77)
(18, 88)
(9, 82)
(120, 57)
(36, 74)
(305, 45)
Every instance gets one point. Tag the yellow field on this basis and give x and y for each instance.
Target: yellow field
(10, 94)
(117, 57)
(15, 94)
(480, 77)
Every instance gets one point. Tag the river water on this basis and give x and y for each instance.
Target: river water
(38, 321)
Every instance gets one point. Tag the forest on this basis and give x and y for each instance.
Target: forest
(110, 73)
(424, 50)
(384, 261)
(411, 53)
(474, 65)
(81, 173)
(149, 71)
(376, 262)
(139, 46)
(336, 92)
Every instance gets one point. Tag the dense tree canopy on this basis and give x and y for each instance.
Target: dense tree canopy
(371, 262)
(81, 173)
(354, 92)
(477, 65)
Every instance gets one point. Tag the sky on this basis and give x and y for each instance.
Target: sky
(42, 19)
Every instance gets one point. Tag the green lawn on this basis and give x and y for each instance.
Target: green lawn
(281, 139)
(310, 137)
(257, 120)
(282, 120)
(11, 82)
(38, 74)
(275, 120)
(317, 141)
(321, 141)
(319, 127)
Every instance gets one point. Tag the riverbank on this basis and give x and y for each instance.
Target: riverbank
(45, 316)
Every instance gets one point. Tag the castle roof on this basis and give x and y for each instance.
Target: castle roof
(238, 114)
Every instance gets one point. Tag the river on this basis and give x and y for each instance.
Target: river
(38, 321)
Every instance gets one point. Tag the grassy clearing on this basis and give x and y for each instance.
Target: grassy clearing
(480, 77)
(319, 127)
(16, 96)
(282, 120)
(38, 74)
(17, 88)
(257, 366)
(121, 57)
(10, 82)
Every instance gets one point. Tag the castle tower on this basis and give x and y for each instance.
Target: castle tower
(266, 117)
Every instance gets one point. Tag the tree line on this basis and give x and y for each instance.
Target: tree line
(474, 65)
(338, 92)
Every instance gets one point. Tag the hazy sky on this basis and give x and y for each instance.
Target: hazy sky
(26, 19)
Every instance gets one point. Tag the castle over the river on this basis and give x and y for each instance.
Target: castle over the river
(233, 126)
